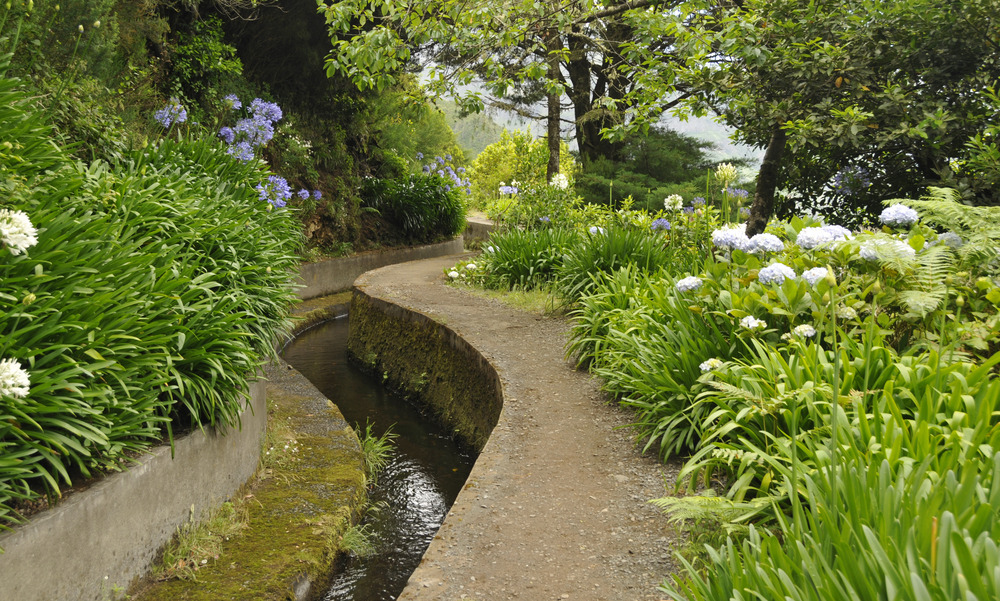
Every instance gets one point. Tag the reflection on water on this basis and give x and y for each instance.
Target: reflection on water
(417, 487)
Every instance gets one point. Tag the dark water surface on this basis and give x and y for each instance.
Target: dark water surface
(419, 484)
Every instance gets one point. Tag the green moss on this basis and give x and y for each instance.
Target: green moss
(429, 363)
(298, 510)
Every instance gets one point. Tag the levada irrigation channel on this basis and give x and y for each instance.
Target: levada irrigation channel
(427, 470)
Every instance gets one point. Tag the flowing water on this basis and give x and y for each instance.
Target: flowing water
(418, 486)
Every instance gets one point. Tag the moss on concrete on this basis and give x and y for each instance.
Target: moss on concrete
(298, 508)
(428, 362)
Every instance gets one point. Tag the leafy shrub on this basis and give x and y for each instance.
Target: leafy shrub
(422, 207)
(516, 157)
(605, 251)
(153, 294)
(524, 259)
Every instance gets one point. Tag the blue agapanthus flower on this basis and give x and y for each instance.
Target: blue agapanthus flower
(264, 110)
(241, 150)
(420, 156)
(227, 134)
(275, 191)
(303, 194)
(174, 112)
(317, 194)
(660, 224)
(233, 101)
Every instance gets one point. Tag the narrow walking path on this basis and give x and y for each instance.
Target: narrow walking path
(556, 506)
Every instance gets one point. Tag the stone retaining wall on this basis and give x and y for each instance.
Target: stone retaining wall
(429, 362)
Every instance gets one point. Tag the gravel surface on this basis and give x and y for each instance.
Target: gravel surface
(556, 506)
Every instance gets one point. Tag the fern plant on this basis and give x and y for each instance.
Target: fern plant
(979, 228)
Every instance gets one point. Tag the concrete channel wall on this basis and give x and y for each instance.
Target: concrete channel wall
(95, 542)
(336, 275)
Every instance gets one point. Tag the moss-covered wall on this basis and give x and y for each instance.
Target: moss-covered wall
(428, 362)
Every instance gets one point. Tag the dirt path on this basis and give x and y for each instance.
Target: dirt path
(556, 506)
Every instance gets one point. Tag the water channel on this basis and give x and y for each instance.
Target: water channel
(418, 486)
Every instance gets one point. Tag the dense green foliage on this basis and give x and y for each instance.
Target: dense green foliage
(423, 208)
(156, 288)
(833, 394)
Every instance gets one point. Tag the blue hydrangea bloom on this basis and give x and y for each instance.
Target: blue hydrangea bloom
(689, 283)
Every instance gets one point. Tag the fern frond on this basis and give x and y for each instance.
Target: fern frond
(979, 227)
(731, 515)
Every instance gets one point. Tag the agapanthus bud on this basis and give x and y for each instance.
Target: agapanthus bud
(28, 299)
(960, 301)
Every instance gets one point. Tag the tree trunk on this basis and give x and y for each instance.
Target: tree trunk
(554, 105)
(767, 182)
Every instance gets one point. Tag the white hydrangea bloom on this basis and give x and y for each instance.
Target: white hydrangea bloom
(951, 239)
(811, 237)
(847, 313)
(710, 365)
(877, 249)
(776, 273)
(766, 243)
(453, 274)
(471, 266)
(14, 381)
(899, 215)
(839, 232)
(814, 275)
(752, 323)
(16, 232)
(804, 331)
(689, 283)
(732, 237)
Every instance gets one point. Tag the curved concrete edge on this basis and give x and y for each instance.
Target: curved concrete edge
(95, 543)
(336, 275)
(426, 360)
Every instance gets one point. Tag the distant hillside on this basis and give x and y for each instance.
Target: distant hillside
(474, 132)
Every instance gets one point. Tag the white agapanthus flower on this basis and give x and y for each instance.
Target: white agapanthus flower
(899, 215)
(689, 283)
(726, 174)
(595, 230)
(766, 243)
(453, 274)
(811, 237)
(775, 273)
(14, 381)
(16, 232)
(710, 365)
(471, 266)
(814, 275)
(804, 331)
(560, 181)
(752, 323)
(491, 249)
(674, 202)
